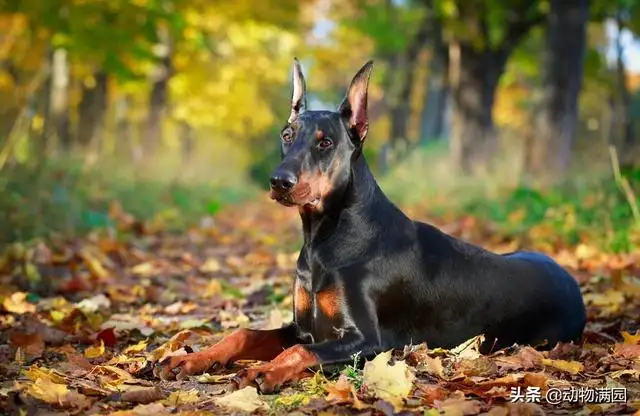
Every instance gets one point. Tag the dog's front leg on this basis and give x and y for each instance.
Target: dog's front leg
(242, 344)
(292, 364)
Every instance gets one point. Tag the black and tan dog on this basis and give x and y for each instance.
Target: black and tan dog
(369, 279)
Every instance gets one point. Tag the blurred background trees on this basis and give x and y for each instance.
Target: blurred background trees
(521, 91)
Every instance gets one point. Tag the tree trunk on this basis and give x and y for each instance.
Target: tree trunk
(187, 141)
(159, 95)
(623, 109)
(124, 145)
(432, 116)
(556, 122)
(474, 79)
(401, 111)
(92, 109)
(59, 100)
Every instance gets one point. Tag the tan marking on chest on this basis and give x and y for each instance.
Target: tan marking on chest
(329, 302)
(301, 300)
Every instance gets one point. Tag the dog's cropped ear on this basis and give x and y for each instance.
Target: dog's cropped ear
(354, 106)
(299, 98)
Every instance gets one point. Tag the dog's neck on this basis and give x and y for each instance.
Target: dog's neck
(358, 195)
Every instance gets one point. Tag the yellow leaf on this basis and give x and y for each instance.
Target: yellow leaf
(469, 349)
(17, 303)
(136, 348)
(390, 383)
(56, 394)
(93, 264)
(211, 265)
(117, 375)
(35, 373)
(173, 344)
(213, 288)
(631, 339)
(572, 367)
(95, 351)
(246, 400)
(180, 397)
(47, 391)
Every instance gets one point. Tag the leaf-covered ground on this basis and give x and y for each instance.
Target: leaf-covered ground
(83, 320)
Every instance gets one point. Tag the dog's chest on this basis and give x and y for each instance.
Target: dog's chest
(318, 304)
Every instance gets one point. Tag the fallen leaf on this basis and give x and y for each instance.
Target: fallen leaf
(429, 393)
(56, 394)
(95, 351)
(339, 391)
(142, 394)
(207, 378)
(31, 344)
(179, 397)
(151, 409)
(136, 348)
(469, 349)
(93, 264)
(108, 336)
(211, 265)
(17, 303)
(431, 365)
(173, 344)
(458, 407)
(246, 400)
(572, 367)
(631, 339)
(94, 304)
(114, 374)
(36, 373)
(392, 383)
(214, 287)
(627, 351)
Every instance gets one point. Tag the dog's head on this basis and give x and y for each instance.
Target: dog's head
(317, 147)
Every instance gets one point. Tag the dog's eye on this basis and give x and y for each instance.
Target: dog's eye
(286, 136)
(325, 143)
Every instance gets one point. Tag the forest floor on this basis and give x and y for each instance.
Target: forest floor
(82, 321)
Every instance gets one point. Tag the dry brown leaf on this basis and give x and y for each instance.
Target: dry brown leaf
(431, 365)
(31, 344)
(151, 409)
(627, 351)
(431, 392)
(392, 383)
(142, 394)
(478, 367)
(459, 407)
(339, 391)
(572, 367)
(246, 400)
(167, 348)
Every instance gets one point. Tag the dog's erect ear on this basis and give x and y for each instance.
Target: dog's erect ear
(354, 106)
(299, 98)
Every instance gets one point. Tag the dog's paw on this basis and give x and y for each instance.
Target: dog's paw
(182, 366)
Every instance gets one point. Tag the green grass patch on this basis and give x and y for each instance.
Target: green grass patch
(67, 197)
(591, 208)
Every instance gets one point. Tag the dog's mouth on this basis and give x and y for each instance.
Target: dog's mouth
(297, 197)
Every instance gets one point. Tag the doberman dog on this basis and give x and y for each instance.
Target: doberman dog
(369, 279)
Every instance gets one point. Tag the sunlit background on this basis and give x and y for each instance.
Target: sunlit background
(521, 111)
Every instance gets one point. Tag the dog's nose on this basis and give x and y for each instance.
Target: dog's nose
(283, 181)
